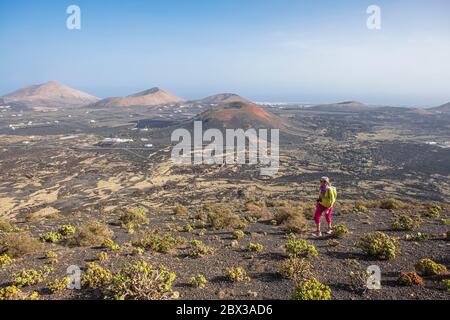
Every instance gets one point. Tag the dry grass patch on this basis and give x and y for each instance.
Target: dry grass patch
(92, 233)
(17, 245)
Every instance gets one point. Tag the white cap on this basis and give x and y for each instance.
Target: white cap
(325, 179)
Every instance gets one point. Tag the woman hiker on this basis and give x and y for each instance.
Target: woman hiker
(325, 203)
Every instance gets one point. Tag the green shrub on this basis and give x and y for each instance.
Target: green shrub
(157, 243)
(111, 245)
(199, 281)
(30, 277)
(410, 279)
(58, 285)
(428, 267)
(379, 245)
(311, 290)
(93, 233)
(419, 236)
(361, 208)
(238, 274)
(51, 237)
(296, 269)
(67, 230)
(433, 211)
(96, 277)
(339, 231)
(239, 234)
(5, 261)
(292, 219)
(133, 218)
(299, 248)
(17, 245)
(198, 249)
(188, 228)
(140, 281)
(391, 204)
(406, 223)
(52, 257)
(446, 284)
(10, 293)
(255, 247)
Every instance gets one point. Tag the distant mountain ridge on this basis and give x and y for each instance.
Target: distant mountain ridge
(348, 106)
(445, 108)
(148, 98)
(222, 98)
(49, 94)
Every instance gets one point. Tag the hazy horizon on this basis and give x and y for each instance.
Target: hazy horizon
(284, 50)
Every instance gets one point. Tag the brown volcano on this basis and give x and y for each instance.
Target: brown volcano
(50, 94)
(147, 98)
(234, 115)
(222, 98)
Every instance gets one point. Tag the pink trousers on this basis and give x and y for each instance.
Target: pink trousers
(320, 209)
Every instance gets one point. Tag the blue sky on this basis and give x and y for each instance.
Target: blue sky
(265, 50)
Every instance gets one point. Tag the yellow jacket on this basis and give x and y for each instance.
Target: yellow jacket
(329, 198)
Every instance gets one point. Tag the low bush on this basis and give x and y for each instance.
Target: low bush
(433, 211)
(52, 257)
(238, 274)
(96, 277)
(17, 245)
(5, 261)
(67, 230)
(292, 219)
(299, 248)
(239, 234)
(339, 231)
(30, 277)
(180, 210)
(419, 236)
(11, 293)
(51, 237)
(158, 243)
(7, 226)
(199, 281)
(255, 247)
(93, 233)
(134, 218)
(221, 217)
(141, 281)
(410, 279)
(199, 249)
(428, 267)
(357, 281)
(311, 290)
(102, 256)
(446, 284)
(110, 245)
(406, 223)
(297, 269)
(58, 285)
(379, 245)
(391, 204)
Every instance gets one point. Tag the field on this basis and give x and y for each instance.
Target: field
(59, 170)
